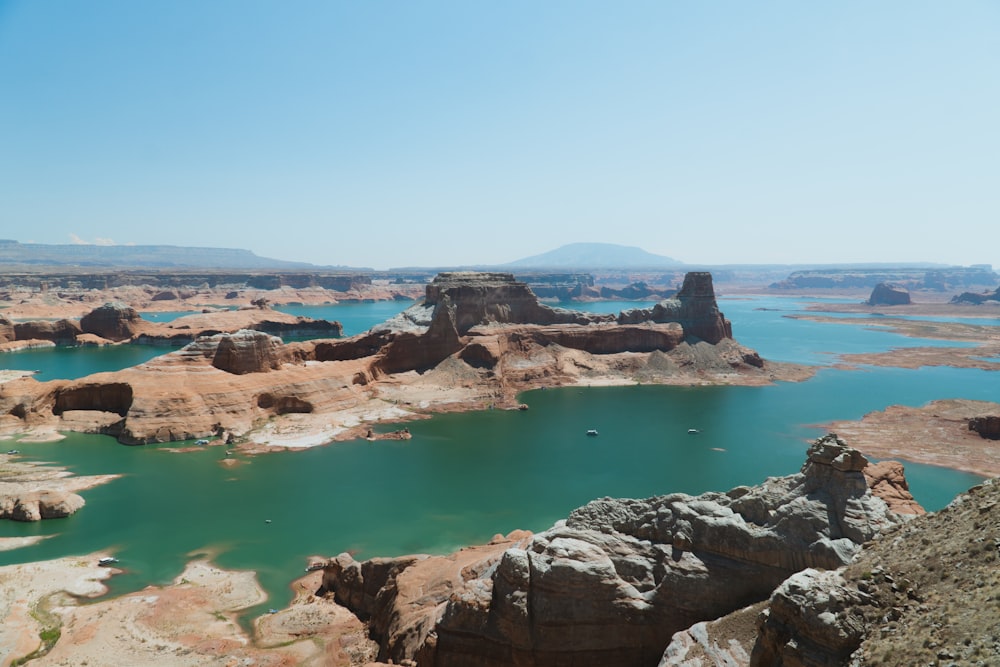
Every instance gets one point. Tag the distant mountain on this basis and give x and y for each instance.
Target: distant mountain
(595, 256)
(15, 254)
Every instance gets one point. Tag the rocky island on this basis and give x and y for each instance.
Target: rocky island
(476, 340)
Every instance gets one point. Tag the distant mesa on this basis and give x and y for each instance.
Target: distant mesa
(889, 294)
(595, 256)
(909, 277)
(14, 253)
(978, 299)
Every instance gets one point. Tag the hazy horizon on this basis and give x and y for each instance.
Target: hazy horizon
(454, 133)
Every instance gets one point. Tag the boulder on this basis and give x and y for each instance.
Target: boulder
(889, 294)
(38, 505)
(612, 583)
(114, 321)
(246, 351)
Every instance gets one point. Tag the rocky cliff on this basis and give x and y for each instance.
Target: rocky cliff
(612, 583)
(925, 594)
(113, 321)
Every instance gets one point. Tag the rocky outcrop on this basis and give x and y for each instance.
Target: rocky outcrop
(887, 481)
(977, 298)
(38, 505)
(114, 321)
(889, 294)
(612, 583)
(61, 332)
(694, 308)
(7, 333)
(496, 298)
(987, 427)
(247, 352)
(922, 594)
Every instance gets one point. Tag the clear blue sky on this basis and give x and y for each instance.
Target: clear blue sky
(432, 133)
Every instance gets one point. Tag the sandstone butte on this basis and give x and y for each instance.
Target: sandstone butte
(476, 340)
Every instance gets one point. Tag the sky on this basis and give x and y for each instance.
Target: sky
(400, 133)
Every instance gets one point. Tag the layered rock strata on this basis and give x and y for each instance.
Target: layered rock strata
(612, 583)
(119, 323)
(113, 321)
(478, 338)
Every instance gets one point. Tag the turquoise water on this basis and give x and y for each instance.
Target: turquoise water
(355, 317)
(165, 315)
(464, 477)
(69, 363)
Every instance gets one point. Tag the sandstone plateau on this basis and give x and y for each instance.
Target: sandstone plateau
(475, 340)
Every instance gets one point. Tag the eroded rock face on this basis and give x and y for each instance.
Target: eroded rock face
(7, 333)
(496, 298)
(612, 583)
(889, 294)
(246, 351)
(114, 321)
(919, 595)
(60, 332)
(886, 480)
(38, 505)
(986, 427)
(694, 308)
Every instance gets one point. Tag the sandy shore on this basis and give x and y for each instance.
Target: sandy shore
(936, 434)
(192, 621)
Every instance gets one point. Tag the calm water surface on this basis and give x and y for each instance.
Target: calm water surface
(464, 477)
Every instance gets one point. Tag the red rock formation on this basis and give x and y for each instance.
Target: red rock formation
(887, 481)
(694, 308)
(60, 331)
(113, 321)
(246, 352)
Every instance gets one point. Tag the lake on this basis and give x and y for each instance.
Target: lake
(465, 477)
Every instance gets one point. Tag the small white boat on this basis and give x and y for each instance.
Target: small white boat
(592, 431)
(693, 431)
(107, 560)
(201, 442)
(13, 451)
